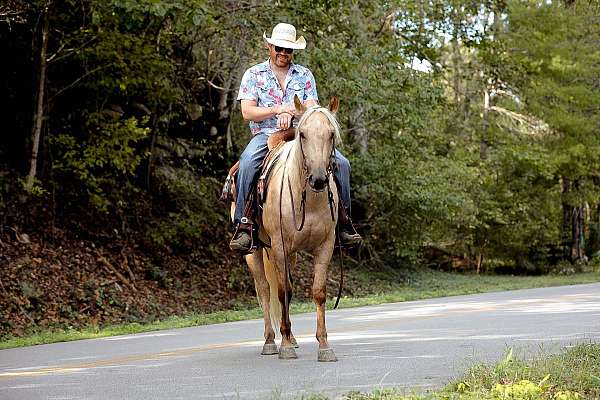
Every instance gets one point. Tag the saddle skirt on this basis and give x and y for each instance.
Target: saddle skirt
(275, 143)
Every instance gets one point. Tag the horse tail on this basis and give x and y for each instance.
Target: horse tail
(272, 273)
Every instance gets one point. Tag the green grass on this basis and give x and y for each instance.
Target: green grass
(380, 287)
(426, 283)
(572, 375)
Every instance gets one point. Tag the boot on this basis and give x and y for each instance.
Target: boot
(348, 235)
(243, 239)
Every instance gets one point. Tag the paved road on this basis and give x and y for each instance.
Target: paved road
(419, 344)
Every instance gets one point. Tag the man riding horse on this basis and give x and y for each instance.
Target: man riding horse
(267, 95)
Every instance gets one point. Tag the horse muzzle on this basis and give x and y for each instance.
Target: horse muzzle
(317, 182)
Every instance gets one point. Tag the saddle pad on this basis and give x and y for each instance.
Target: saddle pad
(274, 143)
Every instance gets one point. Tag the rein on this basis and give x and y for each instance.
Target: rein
(303, 199)
(331, 203)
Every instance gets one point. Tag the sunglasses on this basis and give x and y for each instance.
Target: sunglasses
(283, 50)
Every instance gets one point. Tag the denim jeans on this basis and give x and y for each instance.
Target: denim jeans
(251, 160)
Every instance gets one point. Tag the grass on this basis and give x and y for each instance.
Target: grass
(380, 287)
(572, 375)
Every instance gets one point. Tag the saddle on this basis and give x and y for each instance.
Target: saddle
(274, 143)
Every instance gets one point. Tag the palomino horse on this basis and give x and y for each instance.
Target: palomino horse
(295, 219)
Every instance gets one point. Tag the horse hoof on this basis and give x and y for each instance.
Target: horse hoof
(287, 353)
(326, 355)
(295, 343)
(269, 349)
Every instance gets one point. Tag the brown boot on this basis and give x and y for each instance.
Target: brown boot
(348, 235)
(243, 240)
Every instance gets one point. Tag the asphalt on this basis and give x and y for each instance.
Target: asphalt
(417, 345)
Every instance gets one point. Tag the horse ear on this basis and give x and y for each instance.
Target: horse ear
(300, 108)
(334, 104)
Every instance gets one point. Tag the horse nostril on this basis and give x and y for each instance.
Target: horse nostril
(319, 184)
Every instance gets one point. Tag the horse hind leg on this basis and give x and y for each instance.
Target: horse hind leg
(319, 290)
(293, 259)
(256, 266)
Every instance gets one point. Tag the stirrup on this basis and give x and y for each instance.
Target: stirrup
(251, 229)
(349, 237)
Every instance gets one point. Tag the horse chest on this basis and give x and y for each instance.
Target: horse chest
(318, 226)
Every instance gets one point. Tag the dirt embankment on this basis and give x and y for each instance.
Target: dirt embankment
(58, 280)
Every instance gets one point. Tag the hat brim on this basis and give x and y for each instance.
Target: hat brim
(299, 44)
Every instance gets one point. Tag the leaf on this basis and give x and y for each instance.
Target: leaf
(544, 380)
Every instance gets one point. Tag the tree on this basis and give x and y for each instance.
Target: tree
(556, 50)
(38, 116)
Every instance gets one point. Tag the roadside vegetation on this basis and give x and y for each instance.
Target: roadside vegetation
(471, 126)
(371, 288)
(571, 375)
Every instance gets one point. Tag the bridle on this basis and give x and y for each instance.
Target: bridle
(329, 173)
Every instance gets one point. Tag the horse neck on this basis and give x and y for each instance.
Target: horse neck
(296, 172)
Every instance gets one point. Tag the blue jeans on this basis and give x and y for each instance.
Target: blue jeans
(251, 160)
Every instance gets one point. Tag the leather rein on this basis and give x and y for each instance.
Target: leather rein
(303, 211)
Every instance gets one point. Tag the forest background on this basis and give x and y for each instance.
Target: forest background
(473, 130)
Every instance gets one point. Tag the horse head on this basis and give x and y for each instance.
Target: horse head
(317, 134)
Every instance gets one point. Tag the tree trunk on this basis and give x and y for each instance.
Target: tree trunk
(456, 70)
(577, 239)
(577, 230)
(359, 131)
(566, 233)
(456, 58)
(38, 116)
(154, 129)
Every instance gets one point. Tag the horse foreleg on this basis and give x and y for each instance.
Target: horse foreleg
(319, 290)
(288, 342)
(256, 266)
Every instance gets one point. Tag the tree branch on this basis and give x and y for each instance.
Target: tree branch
(69, 86)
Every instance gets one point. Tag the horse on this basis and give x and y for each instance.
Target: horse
(294, 219)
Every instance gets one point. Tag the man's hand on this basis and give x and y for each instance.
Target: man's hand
(284, 120)
(284, 114)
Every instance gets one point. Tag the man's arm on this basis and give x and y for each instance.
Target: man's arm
(252, 112)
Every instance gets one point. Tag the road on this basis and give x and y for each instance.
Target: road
(420, 344)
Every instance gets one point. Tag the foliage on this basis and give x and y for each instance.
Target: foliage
(566, 376)
(367, 288)
(472, 126)
(107, 157)
(196, 213)
(554, 49)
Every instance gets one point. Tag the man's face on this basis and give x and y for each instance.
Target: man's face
(281, 58)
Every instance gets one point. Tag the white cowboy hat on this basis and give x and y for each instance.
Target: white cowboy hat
(284, 35)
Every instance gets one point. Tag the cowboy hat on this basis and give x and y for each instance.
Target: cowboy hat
(284, 35)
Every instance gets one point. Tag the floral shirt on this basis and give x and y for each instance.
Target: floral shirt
(260, 84)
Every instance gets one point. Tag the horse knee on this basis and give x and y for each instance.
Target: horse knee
(319, 296)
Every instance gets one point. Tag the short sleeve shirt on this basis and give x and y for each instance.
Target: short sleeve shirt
(260, 84)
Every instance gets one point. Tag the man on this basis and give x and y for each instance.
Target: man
(267, 95)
